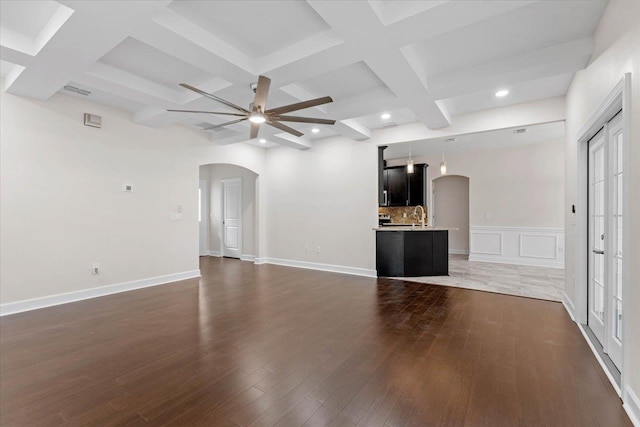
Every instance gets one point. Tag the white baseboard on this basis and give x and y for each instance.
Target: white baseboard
(459, 251)
(318, 266)
(36, 303)
(251, 258)
(603, 365)
(568, 305)
(632, 406)
(515, 261)
(215, 253)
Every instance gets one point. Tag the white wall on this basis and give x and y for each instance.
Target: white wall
(515, 187)
(214, 174)
(62, 203)
(325, 197)
(617, 51)
(451, 209)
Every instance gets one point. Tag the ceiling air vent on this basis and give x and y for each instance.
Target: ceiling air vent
(77, 90)
(521, 130)
(389, 125)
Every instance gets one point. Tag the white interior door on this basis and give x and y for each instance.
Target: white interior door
(232, 217)
(606, 236)
(203, 215)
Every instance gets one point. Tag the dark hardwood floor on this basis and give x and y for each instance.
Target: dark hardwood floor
(269, 345)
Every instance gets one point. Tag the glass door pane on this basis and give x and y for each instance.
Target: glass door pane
(597, 225)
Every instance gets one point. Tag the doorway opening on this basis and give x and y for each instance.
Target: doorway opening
(450, 206)
(228, 211)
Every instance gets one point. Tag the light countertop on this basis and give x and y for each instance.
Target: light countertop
(412, 228)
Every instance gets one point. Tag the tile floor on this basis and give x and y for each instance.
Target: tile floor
(519, 280)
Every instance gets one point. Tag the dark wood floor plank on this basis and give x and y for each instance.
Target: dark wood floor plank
(268, 345)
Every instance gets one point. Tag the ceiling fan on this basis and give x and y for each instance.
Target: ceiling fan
(257, 112)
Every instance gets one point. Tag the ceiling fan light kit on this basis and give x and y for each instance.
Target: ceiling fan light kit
(257, 112)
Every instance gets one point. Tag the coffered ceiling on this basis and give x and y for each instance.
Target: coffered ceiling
(422, 61)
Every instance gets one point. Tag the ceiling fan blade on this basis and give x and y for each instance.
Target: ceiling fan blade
(260, 100)
(299, 106)
(208, 112)
(285, 128)
(215, 98)
(225, 124)
(304, 120)
(254, 130)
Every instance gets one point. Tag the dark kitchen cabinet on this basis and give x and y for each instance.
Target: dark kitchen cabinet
(417, 187)
(403, 189)
(397, 186)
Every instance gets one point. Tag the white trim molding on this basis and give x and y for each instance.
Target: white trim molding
(215, 253)
(355, 271)
(631, 405)
(603, 365)
(568, 305)
(534, 246)
(459, 251)
(244, 257)
(49, 301)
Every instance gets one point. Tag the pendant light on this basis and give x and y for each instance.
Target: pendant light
(410, 162)
(443, 164)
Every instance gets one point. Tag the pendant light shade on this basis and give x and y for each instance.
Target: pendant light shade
(443, 168)
(410, 168)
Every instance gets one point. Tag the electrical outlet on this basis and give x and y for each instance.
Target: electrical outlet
(306, 249)
(317, 249)
(404, 214)
(95, 270)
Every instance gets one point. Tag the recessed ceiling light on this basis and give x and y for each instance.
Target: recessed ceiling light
(262, 140)
(385, 116)
(502, 92)
(315, 130)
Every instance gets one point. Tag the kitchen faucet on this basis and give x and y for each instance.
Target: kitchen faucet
(422, 216)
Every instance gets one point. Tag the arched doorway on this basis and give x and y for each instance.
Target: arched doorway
(451, 209)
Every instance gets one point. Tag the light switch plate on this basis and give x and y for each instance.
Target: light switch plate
(175, 216)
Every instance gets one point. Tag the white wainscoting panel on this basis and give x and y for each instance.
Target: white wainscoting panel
(486, 242)
(537, 246)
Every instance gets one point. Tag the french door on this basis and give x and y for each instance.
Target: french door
(605, 238)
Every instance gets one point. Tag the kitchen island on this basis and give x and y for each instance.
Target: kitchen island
(412, 251)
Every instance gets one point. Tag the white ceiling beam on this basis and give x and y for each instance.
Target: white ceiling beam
(351, 128)
(525, 114)
(369, 37)
(288, 140)
(89, 33)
